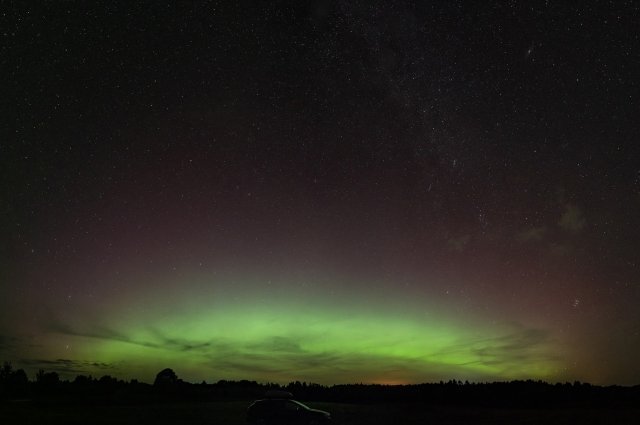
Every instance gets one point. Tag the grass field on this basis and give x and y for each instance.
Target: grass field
(233, 413)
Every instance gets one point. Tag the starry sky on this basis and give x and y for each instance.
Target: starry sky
(335, 192)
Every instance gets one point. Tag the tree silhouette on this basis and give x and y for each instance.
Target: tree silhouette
(5, 371)
(13, 382)
(166, 378)
(19, 378)
(47, 380)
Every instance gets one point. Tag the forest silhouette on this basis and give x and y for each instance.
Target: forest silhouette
(167, 386)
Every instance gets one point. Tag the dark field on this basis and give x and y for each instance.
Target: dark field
(233, 413)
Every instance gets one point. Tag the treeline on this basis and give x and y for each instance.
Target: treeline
(48, 387)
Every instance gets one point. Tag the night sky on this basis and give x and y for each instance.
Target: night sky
(334, 192)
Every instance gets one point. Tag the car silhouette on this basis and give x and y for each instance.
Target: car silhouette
(285, 411)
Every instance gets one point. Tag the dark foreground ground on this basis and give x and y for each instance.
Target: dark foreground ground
(231, 413)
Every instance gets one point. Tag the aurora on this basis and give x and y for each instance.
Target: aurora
(329, 192)
(283, 335)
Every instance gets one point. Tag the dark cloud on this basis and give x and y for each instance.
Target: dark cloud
(9, 345)
(277, 344)
(160, 340)
(68, 366)
(179, 344)
(526, 346)
(94, 331)
(523, 346)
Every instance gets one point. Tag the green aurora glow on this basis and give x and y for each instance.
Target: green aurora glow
(285, 335)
